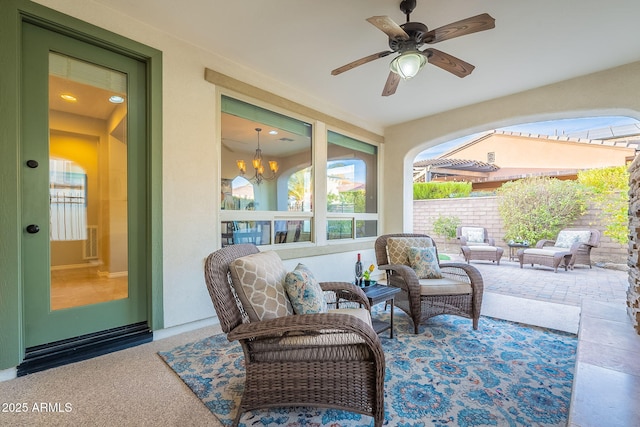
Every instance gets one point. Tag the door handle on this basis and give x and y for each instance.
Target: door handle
(32, 228)
(32, 164)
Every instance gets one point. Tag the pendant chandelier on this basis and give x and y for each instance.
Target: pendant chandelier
(258, 165)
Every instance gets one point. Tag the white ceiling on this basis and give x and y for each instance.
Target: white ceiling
(299, 42)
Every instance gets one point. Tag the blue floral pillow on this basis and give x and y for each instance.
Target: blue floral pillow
(304, 291)
(425, 262)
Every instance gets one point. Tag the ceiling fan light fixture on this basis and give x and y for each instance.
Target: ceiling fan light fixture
(408, 64)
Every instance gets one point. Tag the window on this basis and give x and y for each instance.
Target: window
(67, 200)
(352, 188)
(267, 188)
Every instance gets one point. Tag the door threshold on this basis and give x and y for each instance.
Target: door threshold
(46, 356)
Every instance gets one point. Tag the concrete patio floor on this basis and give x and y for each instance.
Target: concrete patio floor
(542, 284)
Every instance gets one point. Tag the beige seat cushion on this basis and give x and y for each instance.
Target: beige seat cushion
(546, 251)
(444, 286)
(481, 248)
(333, 345)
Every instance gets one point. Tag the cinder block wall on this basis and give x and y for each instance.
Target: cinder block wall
(633, 292)
(483, 212)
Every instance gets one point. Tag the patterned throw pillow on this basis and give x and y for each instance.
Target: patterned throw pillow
(258, 280)
(473, 234)
(566, 238)
(304, 291)
(398, 248)
(425, 262)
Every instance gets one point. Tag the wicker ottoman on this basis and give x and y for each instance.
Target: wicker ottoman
(487, 253)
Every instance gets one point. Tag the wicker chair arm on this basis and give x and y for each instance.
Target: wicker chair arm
(407, 273)
(545, 242)
(464, 273)
(347, 291)
(308, 323)
(463, 240)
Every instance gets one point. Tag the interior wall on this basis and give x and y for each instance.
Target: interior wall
(610, 92)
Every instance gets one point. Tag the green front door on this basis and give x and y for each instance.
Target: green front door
(83, 181)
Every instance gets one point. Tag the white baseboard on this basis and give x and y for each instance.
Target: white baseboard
(8, 374)
(187, 327)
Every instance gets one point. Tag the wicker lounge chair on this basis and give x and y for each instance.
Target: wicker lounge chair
(475, 244)
(330, 359)
(572, 246)
(458, 292)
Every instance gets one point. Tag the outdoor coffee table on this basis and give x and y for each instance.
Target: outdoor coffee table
(380, 293)
(513, 250)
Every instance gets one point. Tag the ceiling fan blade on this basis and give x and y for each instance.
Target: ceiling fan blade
(448, 63)
(360, 61)
(391, 85)
(471, 25)
(389, 27)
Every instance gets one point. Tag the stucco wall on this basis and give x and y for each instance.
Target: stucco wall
(483, 212)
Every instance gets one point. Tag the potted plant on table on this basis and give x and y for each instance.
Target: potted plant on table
(367, 276)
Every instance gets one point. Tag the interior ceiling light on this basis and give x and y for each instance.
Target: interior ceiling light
(116, 99)
(273, 132)
(408, 64)
(258, 165)
(68, 97)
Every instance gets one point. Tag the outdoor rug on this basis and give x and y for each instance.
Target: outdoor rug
(504, 374)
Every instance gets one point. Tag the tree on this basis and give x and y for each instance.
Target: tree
(610, 193)
(538, 208)
(446, 227)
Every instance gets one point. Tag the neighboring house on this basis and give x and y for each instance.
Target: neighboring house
(499, 156)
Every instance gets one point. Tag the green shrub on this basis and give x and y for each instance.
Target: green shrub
(446, 226)
(609, 189)
(538, 208)
(440, 190)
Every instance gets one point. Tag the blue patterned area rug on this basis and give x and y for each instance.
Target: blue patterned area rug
(504, 374)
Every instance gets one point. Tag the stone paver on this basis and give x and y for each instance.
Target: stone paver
(541, 283)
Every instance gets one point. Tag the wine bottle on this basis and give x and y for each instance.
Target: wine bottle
(359, 271)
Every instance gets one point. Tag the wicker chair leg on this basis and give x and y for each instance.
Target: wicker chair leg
(476, 321)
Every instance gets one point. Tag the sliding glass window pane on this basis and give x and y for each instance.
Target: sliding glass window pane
(256, 232)
(339, 229)
(366, 228)
(266, 159)
(291, 231)
(352, 175)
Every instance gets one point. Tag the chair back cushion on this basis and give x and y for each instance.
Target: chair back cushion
(304, 291)
(566, 238)
(473, 234)
(258, 280)
(398, 248)
(425, 262)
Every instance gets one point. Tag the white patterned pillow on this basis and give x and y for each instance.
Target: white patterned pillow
(473, 234)
(304, 291)
(258, 280)
(398, 248)
(425, 262)
(566, 238)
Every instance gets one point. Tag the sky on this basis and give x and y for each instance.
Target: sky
(552, 127)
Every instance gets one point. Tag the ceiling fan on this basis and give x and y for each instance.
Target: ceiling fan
(408, 38)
